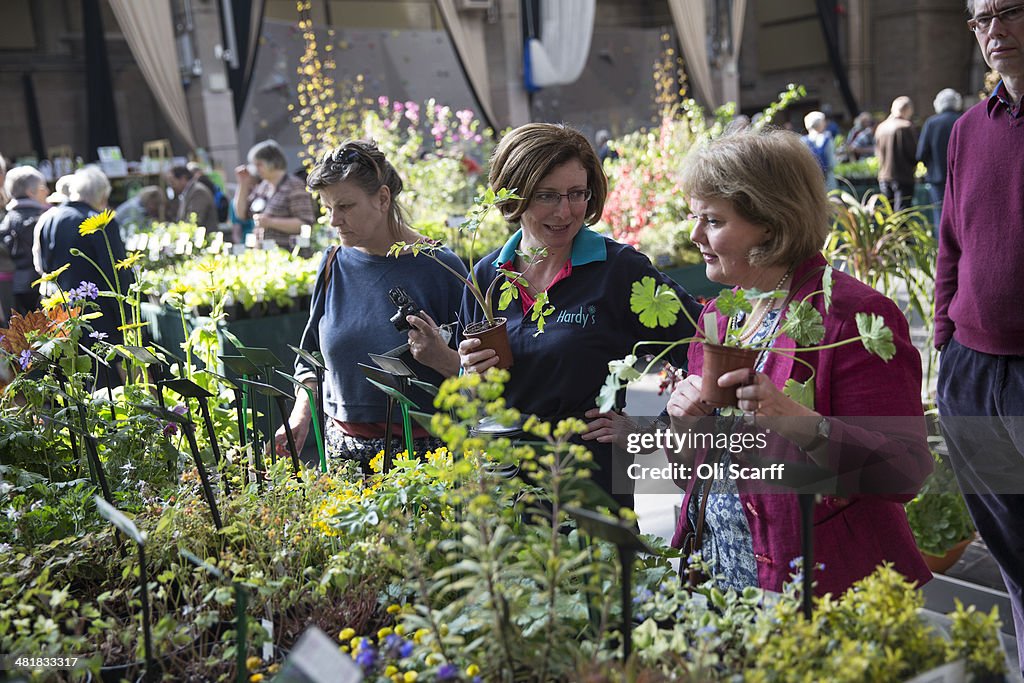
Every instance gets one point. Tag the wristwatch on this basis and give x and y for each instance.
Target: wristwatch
(821, 433)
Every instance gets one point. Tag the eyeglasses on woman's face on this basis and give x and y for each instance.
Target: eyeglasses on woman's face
(548, 198)
(983, 22)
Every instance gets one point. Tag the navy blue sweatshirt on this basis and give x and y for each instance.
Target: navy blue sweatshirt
(559, 373)
(352, 320)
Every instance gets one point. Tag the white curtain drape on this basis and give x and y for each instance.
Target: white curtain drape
(690, 19)
(739, 13)
(148, 28)
(567, 27)
(470, 47)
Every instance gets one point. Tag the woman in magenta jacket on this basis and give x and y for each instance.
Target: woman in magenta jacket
(761, 216)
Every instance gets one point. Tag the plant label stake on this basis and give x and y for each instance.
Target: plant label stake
(92, 452)
(392, 377)
(316, 360)
(189, 389)
(267, 361)
(625, 538)
(316, 659)
(270, 391)
(316, 410)
(240, 408)
(808, 480)
(188, 427)
(244, 369)
(144, 357)
(128, 528)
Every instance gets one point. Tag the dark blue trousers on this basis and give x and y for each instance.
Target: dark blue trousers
(981, 401)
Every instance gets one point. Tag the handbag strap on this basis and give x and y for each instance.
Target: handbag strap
(329, 267)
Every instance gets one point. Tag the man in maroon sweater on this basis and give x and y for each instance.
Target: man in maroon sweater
(979, 280)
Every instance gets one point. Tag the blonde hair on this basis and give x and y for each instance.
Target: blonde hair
(772, 180)
(528, 153)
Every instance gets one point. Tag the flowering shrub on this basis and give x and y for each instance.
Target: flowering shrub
(645, 205)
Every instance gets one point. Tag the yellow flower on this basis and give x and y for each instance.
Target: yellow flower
(130, 261)
(347, 634)
(410, 676)
(52, 301)
(209, 266)
(256, 678)
(253, 663)
(394, 609)
(391, 670)
(51, 276)
(384, 633)
(419, 635)
(472, 670)
(95, 223)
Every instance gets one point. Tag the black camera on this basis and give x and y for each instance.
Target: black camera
(405, 305)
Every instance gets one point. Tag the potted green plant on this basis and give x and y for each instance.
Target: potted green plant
(491, 331)
(659, 306)
(939, 519)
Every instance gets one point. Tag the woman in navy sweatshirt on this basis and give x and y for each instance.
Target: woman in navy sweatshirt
(350, 315)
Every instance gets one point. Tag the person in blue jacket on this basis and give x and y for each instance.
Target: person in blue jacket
(588, 278)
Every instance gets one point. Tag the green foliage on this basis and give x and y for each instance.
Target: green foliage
(938, 515)
(892, 251)
(803, 323)
(506, 281)
(656, 307)
(645, 206)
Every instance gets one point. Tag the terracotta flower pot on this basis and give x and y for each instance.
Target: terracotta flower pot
(492, 336)
(719, 360)
(940, 565)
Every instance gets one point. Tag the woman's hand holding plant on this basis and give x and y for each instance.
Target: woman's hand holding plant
(472, 360)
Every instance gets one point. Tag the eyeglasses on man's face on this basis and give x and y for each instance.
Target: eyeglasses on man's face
(553, 198)
(983, 22)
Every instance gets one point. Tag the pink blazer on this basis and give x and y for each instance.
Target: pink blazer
(851, 535)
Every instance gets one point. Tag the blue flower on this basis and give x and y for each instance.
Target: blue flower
(24, 359)
(447, 672)
(88, 290)
(98, 335)
(367, 657)
(397, 647)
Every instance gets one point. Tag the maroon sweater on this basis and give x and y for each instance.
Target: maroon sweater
(980, 273)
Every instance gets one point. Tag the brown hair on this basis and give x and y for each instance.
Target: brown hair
(528, 153)
(773, 180)
(365, 165)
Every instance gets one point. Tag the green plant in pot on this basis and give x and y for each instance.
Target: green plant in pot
(491, 331)
(939, 519)
(658, 306)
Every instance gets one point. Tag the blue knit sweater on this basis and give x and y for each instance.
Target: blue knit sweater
(352, 320)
